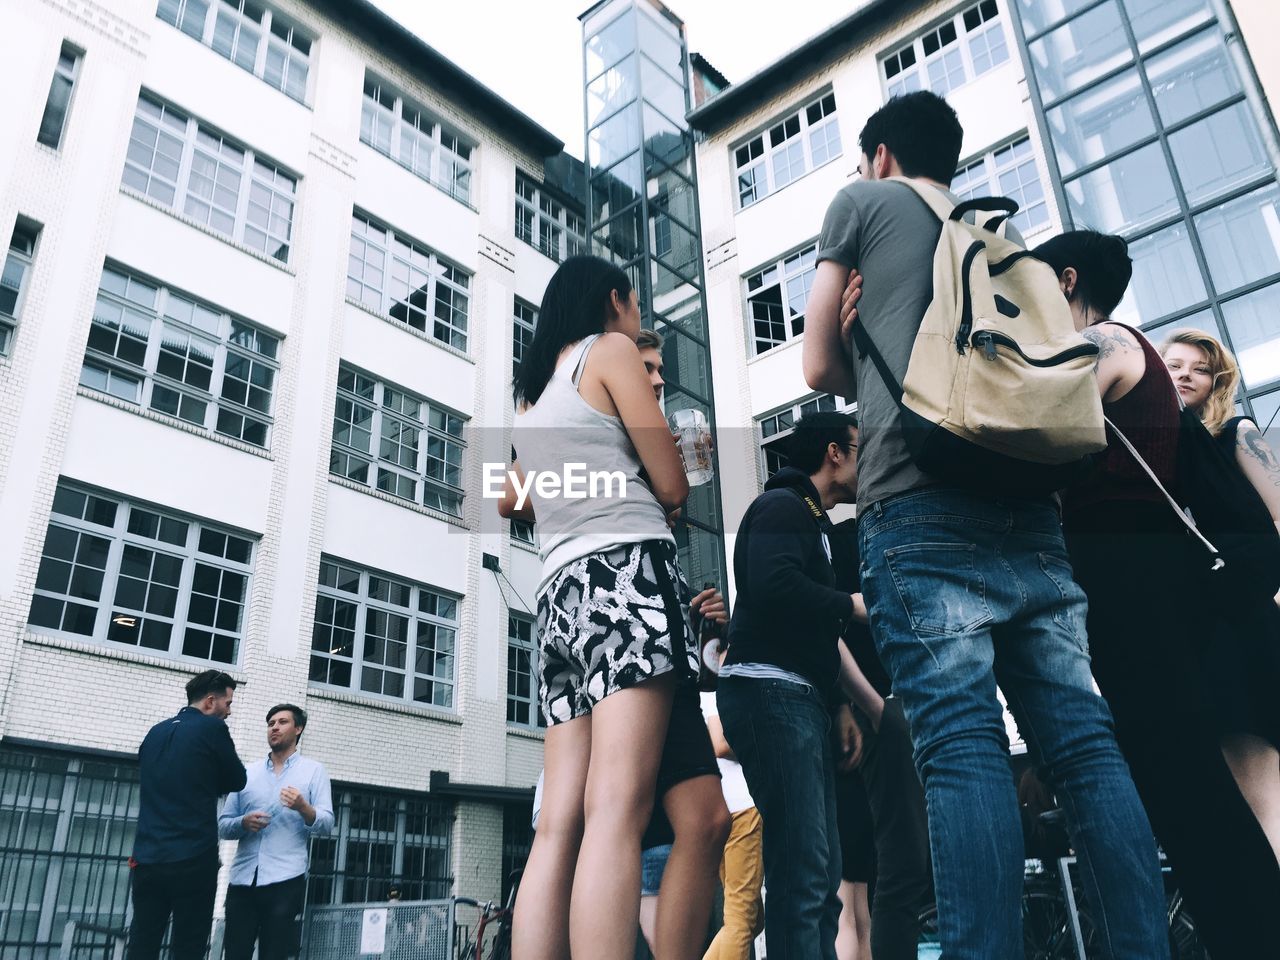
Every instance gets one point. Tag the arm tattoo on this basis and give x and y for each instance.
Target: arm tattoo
(1254, 445)
(1108, 342)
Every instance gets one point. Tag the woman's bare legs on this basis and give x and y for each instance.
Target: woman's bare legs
(1255, 764)
(700, 823)
(540, 930)
(853, 939)
(627, 731)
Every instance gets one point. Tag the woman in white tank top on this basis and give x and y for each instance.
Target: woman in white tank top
(613, 636)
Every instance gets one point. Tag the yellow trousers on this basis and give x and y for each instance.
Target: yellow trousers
(742, 874)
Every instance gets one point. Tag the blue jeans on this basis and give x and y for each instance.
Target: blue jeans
(781, 734)
(965, 592)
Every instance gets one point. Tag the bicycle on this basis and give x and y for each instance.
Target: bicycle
(492, 924)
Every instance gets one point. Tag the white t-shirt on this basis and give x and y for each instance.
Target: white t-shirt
(732, 782)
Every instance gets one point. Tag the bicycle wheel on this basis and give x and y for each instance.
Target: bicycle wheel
(1047, 932)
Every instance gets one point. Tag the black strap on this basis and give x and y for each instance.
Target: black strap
(674, 608)
(1010, 207)
(866, 348)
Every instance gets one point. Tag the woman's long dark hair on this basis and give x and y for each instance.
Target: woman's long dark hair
(575, 305)
(1102, 264)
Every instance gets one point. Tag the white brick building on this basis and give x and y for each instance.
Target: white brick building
(244, 222)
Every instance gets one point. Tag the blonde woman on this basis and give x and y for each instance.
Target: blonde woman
(1242, 664)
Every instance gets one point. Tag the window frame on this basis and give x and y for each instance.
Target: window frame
(380, 413)
(69, 75)
(20, 260)
(813, 403)
(252, 176)
(517, 644)
(383, 101)
(267, 34)
(761, 151)
(364, 601)
(916, 76)
(540, 216)
(224, 349)
(119, 537)
(365, 230)
(990, 180)
(797, 255)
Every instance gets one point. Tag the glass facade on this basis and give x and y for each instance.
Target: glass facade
(1156, 131)
(642, 213)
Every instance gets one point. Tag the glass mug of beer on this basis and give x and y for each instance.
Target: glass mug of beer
(694, 441)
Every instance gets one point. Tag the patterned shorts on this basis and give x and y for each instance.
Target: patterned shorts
(603, 626)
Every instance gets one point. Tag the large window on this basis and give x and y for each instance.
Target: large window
(389, 440)
(1155, 134)
(183, 164)
(1007, 172)
(252, 36)
(523, 322)
(404, 280)
(523, 705)
(787, 150)
(13, 279)
(409, 134)
(382, 839)
(545, 223)
(59, 102)
(383, 635)
(776, 428)
(776, 298)
(178, 356)
(123, 573)
(952, 53)
(67, 824)
(517, 841)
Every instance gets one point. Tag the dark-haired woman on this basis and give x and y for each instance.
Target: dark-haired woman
(612, 635)
(1131, 555)
(1242, 660)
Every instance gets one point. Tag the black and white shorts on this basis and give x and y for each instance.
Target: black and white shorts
(603, 626)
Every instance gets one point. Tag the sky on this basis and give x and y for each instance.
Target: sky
(535, 61)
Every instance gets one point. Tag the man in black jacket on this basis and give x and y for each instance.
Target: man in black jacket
(186, 763)
(778, 685)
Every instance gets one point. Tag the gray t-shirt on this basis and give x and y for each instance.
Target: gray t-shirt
(889, 234)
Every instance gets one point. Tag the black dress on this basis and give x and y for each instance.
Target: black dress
(1242, 662)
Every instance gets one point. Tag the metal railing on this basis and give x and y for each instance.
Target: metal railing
(409, 930)
(104, 943)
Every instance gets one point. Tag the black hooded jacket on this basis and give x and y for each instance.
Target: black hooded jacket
(788, 612)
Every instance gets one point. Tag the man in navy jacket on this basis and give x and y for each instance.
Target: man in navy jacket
(186, 762)
(779, 683)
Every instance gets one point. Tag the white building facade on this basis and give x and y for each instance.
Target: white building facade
(267, 272)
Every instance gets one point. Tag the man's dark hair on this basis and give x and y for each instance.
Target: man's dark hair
(921, 130)
(210, 681)
(299, 715)
(814, 433)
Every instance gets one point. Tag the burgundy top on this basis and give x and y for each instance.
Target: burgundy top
(1148, 416)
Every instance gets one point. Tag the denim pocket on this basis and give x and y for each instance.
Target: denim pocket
(1069, 613)
(940, 587)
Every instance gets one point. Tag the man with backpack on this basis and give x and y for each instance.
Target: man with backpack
(778, 685)
(976, 400)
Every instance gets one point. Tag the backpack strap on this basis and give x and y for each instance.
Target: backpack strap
(937, 201)
(1187, 520)
(862, 340)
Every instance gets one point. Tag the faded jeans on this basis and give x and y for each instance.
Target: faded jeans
(966, 591)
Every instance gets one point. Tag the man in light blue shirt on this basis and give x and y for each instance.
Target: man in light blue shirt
(286, 801)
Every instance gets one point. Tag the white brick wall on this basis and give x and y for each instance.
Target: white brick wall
(78, 693)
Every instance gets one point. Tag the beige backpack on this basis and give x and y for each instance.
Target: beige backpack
(1000, 390)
